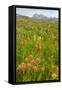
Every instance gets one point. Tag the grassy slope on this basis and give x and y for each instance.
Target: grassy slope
(38, 38)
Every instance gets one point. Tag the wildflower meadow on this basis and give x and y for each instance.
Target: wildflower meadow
(36, 49)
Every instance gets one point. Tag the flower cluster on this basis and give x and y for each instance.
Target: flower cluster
(31, 63)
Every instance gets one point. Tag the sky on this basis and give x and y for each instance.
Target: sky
(30, 12)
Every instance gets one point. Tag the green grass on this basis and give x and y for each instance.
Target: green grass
(38, 38)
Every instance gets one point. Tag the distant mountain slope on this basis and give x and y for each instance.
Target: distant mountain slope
(21, 16)
(39, 16)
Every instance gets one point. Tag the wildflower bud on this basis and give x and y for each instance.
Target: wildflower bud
(33, 62)
(30, 57)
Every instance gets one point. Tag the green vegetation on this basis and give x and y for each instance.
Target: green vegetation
(36, 49)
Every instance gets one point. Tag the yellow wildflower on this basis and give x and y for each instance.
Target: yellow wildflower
(54, 76)
(39, 38)
(34, 37)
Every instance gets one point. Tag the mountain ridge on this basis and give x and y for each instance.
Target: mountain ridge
(37, 16)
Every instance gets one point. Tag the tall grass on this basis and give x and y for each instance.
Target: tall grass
(36, 42)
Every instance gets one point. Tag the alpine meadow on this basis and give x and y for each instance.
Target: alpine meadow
(37, 48)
